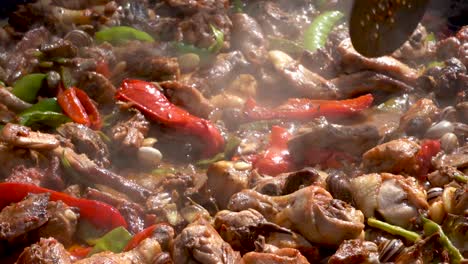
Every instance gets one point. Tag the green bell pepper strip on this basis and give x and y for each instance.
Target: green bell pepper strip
(316, 34)
(43, 118)
(430, 228)
(114, 241)
(49, 104)
(28, 86)
(121, 34)
(219, 37)
(394, 230)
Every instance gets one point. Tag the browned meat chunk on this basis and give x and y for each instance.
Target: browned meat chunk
(131, 131)
(278, 256)
(86, 141)
(19, 218)
(396, 198)
(98, 87)
(322, 135)
(46, 251)
(25, 175)
(311, 211)
(225, 180)
(352, 61)
(62, 223)
(248, 37)
(419, 117)
(355, 251)
(305, 82)
(397, 156)
(187, 97)
(200, 243)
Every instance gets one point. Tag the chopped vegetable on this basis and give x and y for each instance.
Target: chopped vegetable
(394, 230)
(429, 148)
(430, 228)
(238, 6)
(49, 104)
(78, 106)
(286, 45)
(137, 238)
(99, 214)
(231, 144)
(114, 241)
(316, 34)
(122, 34)
(275, 159)
(146, 97)
(305, 109)
(37, 119)
(219, 37)
(28, 86)
(79, 252)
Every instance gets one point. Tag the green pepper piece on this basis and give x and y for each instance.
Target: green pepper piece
(37, 119)
(430, 228)
(316, 34)
(207, 162)
(28, 86)
(114, 241)
(49, 104)
(219, 37)
(285, 45)
(238, 6)
(122, 34)
(2, 84)
(394, 230)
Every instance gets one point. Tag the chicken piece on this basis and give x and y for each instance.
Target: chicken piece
(12, 102)
(356, 251)
(247, 36)
(95, 174)
(62, 223)
(237, 93)
(396, 198)
(358, 83)
(19, 218)
(225, 68)
(200, 243)
(287, 183)
(320, 134)
(396, 156)
(86, 141)
(279, 256)
(305, 82)
(130, 132)
(310, 211)
(187, 97)
(352, 61)
(147, 251)
(242, 230)
(98, 87)
(419, 117)
(46, 251)
(23, 137)
(225, 180)
(417, 47)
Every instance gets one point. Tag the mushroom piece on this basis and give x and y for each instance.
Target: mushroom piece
(310, 211)
(396, 198)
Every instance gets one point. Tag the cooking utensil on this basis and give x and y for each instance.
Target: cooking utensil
(379, 27)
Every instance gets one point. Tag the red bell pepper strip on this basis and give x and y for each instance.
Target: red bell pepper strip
(99, 214)
(146, 97)
(78, 106)
(276, 158)
(303, 109)
(137, 238)
(429, 148)
(79, 252)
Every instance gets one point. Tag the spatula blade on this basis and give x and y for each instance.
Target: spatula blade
(379, 27)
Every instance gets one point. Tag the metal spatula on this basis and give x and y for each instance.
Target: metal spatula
(379, 27)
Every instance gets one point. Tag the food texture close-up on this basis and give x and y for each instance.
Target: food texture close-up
(233, 131)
